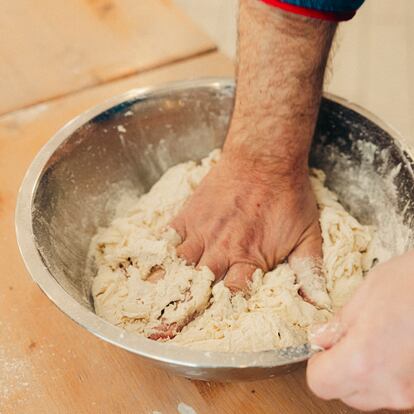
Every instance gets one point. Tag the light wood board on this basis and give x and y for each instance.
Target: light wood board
(49, 48)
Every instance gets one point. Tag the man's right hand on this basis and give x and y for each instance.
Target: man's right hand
(241, 218)
(256, 207)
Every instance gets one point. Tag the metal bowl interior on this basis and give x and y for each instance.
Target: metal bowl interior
(126, 144)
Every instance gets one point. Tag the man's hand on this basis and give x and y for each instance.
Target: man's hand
(240, 219)
(256, 207)
(371, 366)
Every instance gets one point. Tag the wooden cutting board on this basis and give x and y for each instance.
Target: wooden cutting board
(49, 364)
(49, 48)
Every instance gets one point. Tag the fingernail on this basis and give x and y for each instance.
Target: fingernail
(316, 348)
(325, 335)
(316, 330)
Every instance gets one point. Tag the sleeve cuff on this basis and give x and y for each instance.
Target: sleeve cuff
(316, 14)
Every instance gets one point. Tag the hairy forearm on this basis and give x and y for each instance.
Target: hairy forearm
(281, 64)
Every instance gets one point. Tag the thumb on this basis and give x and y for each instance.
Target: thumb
(326, 335)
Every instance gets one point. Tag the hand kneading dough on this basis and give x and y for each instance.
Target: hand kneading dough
(274, 315)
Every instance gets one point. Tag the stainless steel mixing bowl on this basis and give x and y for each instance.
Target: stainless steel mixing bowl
(73, 184)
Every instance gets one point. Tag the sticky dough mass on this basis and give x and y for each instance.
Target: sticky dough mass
(274, 315)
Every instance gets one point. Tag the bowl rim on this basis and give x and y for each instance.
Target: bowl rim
(160, 352)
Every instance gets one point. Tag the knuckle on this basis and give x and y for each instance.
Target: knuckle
(181, 251)
(217, 267)
(238, 275)
(215, 260)
(189, 251)
(233, 273)
(179, 226)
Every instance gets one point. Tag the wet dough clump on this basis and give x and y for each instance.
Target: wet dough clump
(141, 283)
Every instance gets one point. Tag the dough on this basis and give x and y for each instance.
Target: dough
(274, 315)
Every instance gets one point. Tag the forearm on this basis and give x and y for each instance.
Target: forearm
(282, 59)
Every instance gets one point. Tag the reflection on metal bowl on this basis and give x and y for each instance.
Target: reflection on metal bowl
(128, 142)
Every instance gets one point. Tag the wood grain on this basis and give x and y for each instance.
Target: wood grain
(60, 46)
(50, 364)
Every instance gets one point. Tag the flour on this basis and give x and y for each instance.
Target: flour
(185, 409)
(141, 284)
(15, 376)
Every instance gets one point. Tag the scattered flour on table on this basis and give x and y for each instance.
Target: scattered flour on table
(14, 379)
(274, 315)
(185, 409)
(182, 408)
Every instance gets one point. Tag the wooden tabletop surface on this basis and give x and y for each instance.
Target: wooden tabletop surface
(49, 364)
(61, 46)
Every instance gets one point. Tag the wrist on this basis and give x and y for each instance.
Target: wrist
(268, 167)
(268, 150)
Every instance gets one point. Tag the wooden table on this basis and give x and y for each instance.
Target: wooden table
(48, 364)
(61, 46)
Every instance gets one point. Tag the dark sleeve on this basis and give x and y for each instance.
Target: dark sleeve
(333, 10)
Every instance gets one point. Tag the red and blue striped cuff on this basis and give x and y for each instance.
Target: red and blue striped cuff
(334, 16)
